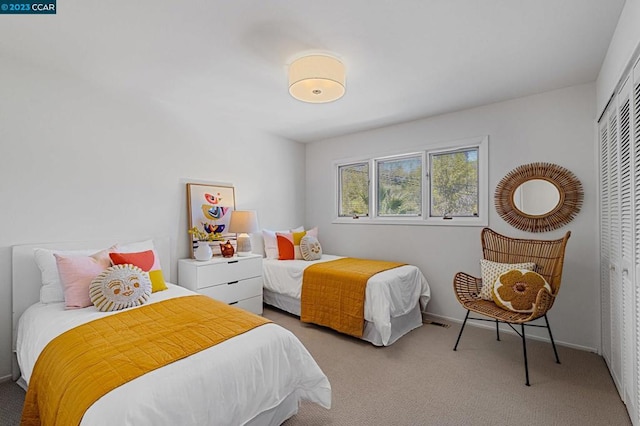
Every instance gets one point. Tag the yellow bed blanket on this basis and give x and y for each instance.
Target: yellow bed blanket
(78, 367)
(333, 292)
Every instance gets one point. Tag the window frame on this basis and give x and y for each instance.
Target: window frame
(338, 168)
(480, 142)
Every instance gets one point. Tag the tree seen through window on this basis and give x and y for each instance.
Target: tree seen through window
(454, 183)
(400, 186)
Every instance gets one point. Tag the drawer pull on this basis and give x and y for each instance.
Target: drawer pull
(232, 282)
(232, 261)
(233, 303)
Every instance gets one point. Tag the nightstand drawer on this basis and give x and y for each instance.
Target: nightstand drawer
(224, 272)
(235, 291)
(252, 304)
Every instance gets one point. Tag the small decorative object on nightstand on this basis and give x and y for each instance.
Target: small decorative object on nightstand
(203, 251)
(236, 281)
(227, 249)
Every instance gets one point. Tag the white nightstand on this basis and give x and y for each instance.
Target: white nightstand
(234, 280)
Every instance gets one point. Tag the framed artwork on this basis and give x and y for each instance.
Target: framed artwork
(210, 208)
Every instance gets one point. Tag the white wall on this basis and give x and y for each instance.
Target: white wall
(554, 127)
(77, 163)
(625, 41)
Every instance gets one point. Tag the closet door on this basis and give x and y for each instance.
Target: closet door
(634, 119)
(627, 245)
(605, 242)
(619, 150)
(615, 280)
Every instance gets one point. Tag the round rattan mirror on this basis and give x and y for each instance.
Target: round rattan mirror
(538, 197)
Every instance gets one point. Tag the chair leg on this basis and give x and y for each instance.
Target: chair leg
(524, 350)
(552, 342)
(461, 329)
(497, 331)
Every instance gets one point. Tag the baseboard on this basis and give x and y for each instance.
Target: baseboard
(5, 378)
(426, 317)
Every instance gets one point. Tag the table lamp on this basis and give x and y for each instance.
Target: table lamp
(243, 223)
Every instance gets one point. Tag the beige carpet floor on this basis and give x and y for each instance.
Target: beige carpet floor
(420, 380)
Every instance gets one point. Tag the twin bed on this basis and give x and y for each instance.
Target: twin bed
(393, 301)
(256, 378)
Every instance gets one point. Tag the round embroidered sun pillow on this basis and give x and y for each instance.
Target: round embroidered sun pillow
(119, 287)
(310, 248)
(516, 290)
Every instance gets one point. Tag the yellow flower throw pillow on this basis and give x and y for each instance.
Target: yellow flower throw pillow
(516, 290)
(491, 272)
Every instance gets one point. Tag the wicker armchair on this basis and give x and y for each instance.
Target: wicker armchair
(548, 255)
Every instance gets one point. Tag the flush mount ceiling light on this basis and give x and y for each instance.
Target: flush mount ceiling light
(317, 79)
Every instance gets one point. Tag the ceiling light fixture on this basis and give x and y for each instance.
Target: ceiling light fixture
(317, 79)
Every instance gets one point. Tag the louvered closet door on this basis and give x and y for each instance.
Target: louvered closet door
(615, 281)
(605, 240)
(627, 245)
(635, 137)
(619, 150)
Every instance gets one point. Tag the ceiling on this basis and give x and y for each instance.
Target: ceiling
(405, 59)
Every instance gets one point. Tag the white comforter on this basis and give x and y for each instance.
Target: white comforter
(227, 384)
(389, 294)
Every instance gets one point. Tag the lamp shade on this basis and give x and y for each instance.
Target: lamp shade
(243, 222)
(317, 79)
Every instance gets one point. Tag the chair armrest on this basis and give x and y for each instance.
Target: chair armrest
(466, 287)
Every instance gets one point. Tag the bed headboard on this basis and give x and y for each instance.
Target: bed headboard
(26, 279)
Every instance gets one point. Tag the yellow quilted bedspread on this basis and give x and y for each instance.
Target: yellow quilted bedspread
(333, 292)
(76, 368)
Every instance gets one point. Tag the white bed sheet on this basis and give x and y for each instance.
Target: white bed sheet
(228, 384)
(389, 294)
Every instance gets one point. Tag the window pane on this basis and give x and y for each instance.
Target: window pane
(400, 187)
(454, 183)
(354, 190)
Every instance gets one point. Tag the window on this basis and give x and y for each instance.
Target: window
(399, 183)
(454, 183)
(354, 190)
(442, 185)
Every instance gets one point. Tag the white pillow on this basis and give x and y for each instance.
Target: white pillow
(155, 271)
(52, 290)
(271, 242)
(136, 247)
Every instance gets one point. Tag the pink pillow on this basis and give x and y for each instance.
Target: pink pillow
(76, 274)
